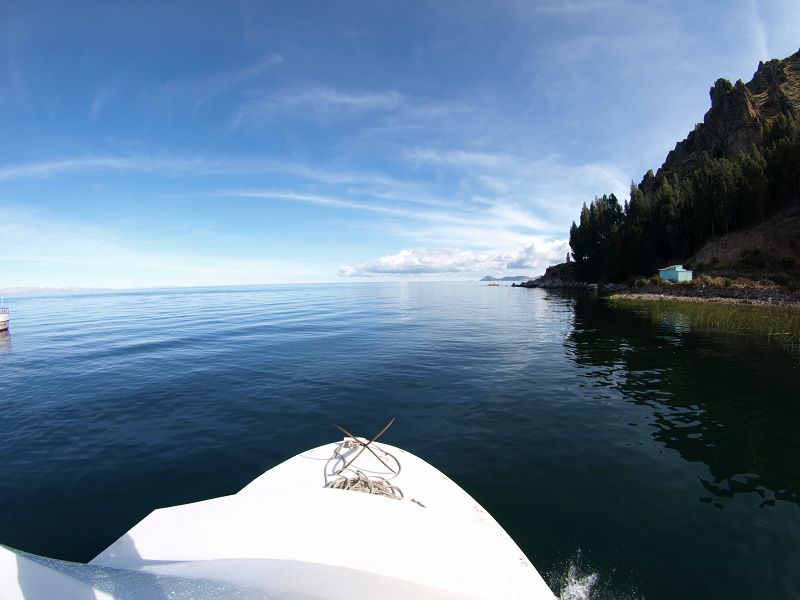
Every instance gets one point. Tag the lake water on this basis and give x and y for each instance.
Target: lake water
(632, 457)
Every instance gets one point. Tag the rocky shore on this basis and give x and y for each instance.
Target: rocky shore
(737, 291)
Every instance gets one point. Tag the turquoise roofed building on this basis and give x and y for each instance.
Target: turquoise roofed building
(675, 273)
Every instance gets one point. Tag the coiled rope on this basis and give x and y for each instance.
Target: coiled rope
(355, 480)
(377, 486)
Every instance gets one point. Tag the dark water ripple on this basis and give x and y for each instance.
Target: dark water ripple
(661, 461)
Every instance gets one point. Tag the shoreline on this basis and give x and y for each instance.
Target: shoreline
(793, 305)
(766, 296)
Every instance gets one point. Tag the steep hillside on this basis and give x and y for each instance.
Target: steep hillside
(769, 250)
(735, 172)
(739, 116)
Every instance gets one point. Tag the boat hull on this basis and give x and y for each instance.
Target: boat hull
(294, 533)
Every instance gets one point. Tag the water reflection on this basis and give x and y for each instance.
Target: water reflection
(721, 400)
(5, 342)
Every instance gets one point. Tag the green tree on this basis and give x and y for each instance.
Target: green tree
(668, 219)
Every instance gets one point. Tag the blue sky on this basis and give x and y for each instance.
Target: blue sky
(218, 143)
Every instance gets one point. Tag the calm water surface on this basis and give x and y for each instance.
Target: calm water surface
(657, 461)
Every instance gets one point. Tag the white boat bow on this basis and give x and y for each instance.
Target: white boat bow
(287, 535)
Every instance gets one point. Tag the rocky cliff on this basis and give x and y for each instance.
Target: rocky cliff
(738, 117)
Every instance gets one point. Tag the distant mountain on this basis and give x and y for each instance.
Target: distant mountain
(509, 278)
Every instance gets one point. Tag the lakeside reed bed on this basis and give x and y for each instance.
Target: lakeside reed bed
(778, 324)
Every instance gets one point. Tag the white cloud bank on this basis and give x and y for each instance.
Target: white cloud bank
(446, 261)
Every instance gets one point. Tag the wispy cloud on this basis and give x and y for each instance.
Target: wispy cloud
(354, 182)
(70, 252)
(314, 102)
(56, 167)
(544, 185)
(101, 97)
(315, 199)
(471, 214)
(141, 163)
(196, 91)
(458, 158)
(564, 8)
(365, 183)
(480, 226)
(16, 86)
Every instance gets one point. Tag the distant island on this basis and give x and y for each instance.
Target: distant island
(508, 278)
(725, 203)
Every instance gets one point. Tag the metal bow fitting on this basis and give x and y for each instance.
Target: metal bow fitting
(365, 446)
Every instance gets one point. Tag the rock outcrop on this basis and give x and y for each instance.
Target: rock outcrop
(556, 276)
(738, 118)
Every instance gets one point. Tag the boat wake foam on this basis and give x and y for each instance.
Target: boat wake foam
(577, 586)
(576, 580)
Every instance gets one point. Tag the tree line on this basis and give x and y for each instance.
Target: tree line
(669, 220)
